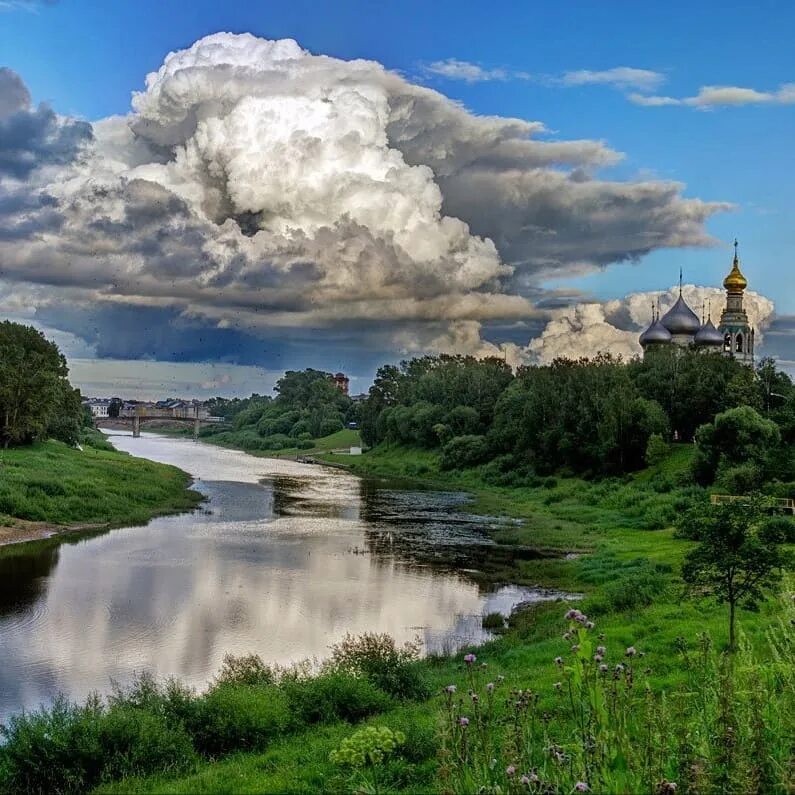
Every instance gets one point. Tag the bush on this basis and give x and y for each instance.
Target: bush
(464, 451)
(742, 479)
(248, 669)
(305, 444)
(332, 696)
(329, 426)
(235, 717)
(656, 450)
(277, 441)
(390, 668)
(493, 621)
(71, 748)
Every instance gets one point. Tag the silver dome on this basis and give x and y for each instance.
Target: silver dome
(655, 334)
(708, 335)
(681, 319)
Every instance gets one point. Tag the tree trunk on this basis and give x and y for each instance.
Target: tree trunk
(731, 626)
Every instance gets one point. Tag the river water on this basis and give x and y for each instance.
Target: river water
(282, 559)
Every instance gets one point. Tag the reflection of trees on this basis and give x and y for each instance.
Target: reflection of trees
(22, 577)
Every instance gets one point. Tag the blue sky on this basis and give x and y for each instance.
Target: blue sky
(86, 58)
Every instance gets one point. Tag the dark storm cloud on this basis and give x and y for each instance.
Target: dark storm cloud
(33, 137)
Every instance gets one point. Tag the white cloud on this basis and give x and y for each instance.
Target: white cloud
(624, 77)
(454, 69)
(709, 97)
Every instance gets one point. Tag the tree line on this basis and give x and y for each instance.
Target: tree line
(594, 417)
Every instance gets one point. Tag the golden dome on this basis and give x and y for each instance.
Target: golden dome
(735, 282)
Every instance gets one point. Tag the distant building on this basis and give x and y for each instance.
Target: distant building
(98, 406)
(341, 381)
(680, 325)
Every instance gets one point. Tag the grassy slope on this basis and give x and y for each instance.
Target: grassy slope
(341, 440)
(53, 483)
(603, 522)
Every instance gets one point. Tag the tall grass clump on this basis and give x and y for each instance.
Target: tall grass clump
(728, 725)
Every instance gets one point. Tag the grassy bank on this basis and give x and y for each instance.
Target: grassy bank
(251, 442)
(53, 486)
(616, 545)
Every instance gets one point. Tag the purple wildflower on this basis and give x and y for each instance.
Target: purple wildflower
(571, 614)
(598, 657)
(510, 771)
(463, 721)
(575, 648)
(589, 625)
(469, 659)
(525, 780)
(490, 686)
(581, 786)
(603, 668)
(450, 689)
(631, 652)
(601, 650)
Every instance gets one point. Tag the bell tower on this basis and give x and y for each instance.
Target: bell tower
(738, 336)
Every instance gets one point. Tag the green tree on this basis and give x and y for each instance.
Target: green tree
(33, 384)
(740, 555)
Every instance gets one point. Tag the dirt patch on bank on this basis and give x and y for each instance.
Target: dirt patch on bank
(22, 531)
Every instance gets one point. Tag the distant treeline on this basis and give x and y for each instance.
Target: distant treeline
(593, 417)
(307, 406)
(36, 399)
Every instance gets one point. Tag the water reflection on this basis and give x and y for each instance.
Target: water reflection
(273, 563)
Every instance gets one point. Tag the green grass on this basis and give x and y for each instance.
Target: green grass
(249, 441)
(53, 483)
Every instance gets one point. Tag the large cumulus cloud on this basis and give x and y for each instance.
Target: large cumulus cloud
(257, 187)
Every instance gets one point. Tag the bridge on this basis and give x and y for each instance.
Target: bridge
(779, 503)
(138, 415)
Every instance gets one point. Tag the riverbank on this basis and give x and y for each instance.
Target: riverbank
(613, 541)
(50, 489)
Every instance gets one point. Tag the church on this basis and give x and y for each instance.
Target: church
(681, 326)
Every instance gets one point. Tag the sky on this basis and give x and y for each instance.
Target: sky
(197, 196)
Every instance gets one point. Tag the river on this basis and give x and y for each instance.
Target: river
(282, 559)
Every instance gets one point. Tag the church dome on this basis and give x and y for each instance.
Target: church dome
(708, 336)
(655, 334)
(735, 282)
(681, 319)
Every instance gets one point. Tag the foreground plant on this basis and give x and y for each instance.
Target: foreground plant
(365, 753)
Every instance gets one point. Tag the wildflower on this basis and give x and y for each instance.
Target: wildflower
(581, 618)
(601, 650)
(572, 614)
(525, 780)
(631, 652)
(500, 678)
(558, 660)
(603, 668)
(601, 636)
(589, 625)
(469, 659)
(463, 721)
(534, 779)
(510, 771)
(450, 689)
(475, 698)
(490, 687)
(575, 648)
(581, 786)
(558, 685)
(567, 636)
(598, 657)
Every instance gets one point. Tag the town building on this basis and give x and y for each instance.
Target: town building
(98, 407)
(681, 326)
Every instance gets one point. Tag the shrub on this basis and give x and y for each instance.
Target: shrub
(305, 444)
(248, 669)
(329, 426)
(493, 621)
(332, 696)
(235, 717)
(741, 479)
(391, 668)
(656, 450)
(464, 451)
